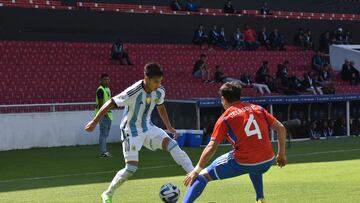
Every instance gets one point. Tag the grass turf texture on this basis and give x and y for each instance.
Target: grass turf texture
(318, 171)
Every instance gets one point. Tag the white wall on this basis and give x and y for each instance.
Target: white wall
(26, 130)
(338, 54)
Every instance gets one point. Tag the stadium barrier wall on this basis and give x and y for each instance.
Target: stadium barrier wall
(52, 129)
(84, 25)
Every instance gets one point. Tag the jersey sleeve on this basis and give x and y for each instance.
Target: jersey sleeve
(220, 130)
(161, 95)
(270, 118)
(122, 99)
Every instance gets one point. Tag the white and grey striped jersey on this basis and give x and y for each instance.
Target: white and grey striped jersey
(138, 107)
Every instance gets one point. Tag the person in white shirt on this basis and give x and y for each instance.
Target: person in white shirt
(137, 130)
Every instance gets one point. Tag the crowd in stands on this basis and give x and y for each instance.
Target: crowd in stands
(317, 81)
(189, 5)
(328, 128)
(246, 39)
(304, 39)
(176, 5)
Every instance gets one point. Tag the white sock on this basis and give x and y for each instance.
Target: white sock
(180, 156)
(120, 177)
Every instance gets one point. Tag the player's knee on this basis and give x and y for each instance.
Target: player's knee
(131, 168)
(206, 175)
(172, 144)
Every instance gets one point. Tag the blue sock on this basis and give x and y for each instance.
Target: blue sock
(195, 189)
(257, 182)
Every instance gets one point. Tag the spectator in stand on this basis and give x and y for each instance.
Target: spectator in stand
(355, 72)
(277, 41)
(282, 74)
(350, 73)
(299, 37)
(325, 42)
(198, 66)
(340, 126)
(250, 38)
(119, 52)
(339, 36)
(200, 37)
(313, 132)
(246, 80)
(325, 75)
(311, 85)
(327, 131)
(219, 76)
(347, 38)
(262, 73)
(308, 41)
(238, 39)
(223, 42)
(265, 9)
(318, 62)
(213, 36)
(331, 125)
(176, 6)
(263, 38)
(228, 7)
(201, 70)
(190, 6)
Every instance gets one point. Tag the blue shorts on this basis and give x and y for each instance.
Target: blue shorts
(225, 166)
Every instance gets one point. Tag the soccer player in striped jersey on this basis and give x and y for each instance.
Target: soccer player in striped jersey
(137, 130)
(246, 127)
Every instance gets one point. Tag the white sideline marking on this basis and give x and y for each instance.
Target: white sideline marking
(154, 167)
(325, 152)
(78, 174)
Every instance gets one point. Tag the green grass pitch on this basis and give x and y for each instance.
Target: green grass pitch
(318, 171)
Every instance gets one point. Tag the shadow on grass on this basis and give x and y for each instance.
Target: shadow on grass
(64, 166)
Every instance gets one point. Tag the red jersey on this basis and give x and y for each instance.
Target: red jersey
(249, 35)
(246, 127)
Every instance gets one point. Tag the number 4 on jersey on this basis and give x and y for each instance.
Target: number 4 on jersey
(256, 131)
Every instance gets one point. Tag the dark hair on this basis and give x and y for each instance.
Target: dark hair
(231, 91)
(153, 70)
(202, 55)
(104, 75)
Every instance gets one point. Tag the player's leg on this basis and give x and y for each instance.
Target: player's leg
(177, 153)
(159, 139)
(256, 176)
(257, 181)
(223, 167)
(131, 147)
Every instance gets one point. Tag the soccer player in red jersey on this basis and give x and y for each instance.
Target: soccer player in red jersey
(246, 127)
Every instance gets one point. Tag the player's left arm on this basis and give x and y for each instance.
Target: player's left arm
(281, 133)
(205, 157)
(165, 118)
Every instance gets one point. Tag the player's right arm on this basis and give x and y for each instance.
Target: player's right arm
(219, 132)
(281, 132)
(101, 113)
(121, 99)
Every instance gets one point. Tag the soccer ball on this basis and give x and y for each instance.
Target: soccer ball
(169, 193)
